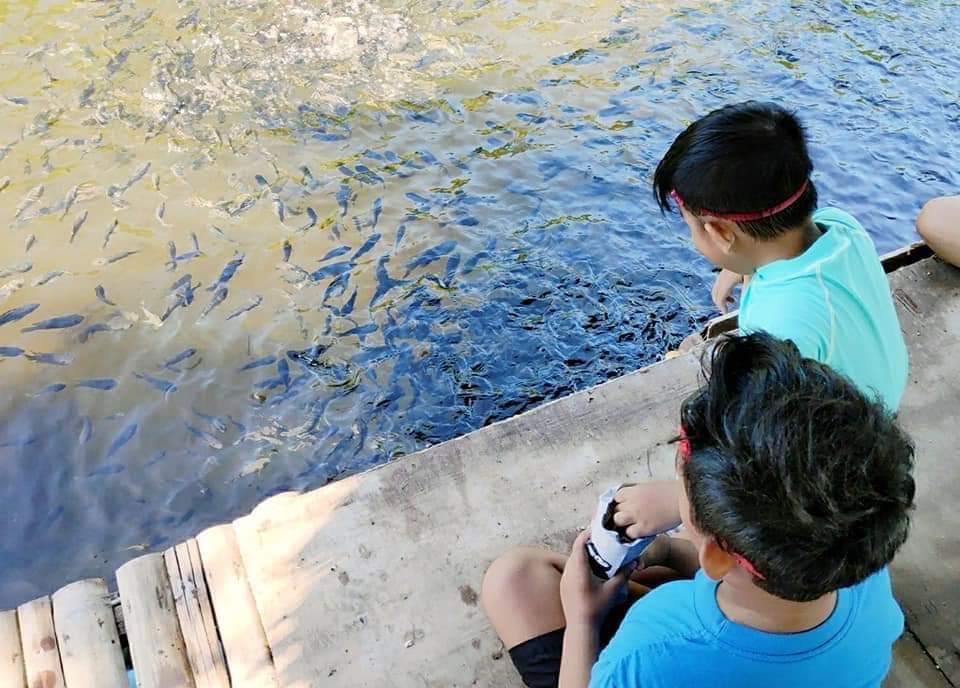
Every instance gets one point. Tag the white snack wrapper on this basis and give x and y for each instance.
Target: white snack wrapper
(606, 552)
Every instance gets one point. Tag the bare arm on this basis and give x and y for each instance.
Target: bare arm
(939, 225)
(580, 643)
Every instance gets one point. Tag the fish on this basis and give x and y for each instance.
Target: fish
(46, 279)
(384, 282)
(254, 302)
(121, 439)
(189, 19)
(29, 242)
(10, 351)
(430, 255)
(10, 288)
(332, 270)
(334, 253)
(172, 252)
(377, 210)
(312, 214)
(77, 224)
(344, 196)
(29, 199)
(360, 330)
(287, 251)
(279, 208)
(227, 273)
(196, 243)
(70, 199)
(217, 299)
(261, 180)
(186, 279)
(451, 270)
(4, 183)
(164, 386)
(258, 363)
(367, 246)
(308, 177)
(336, 287)
(283, 372)
(214, 422)
(110, 230)
(17, 269)
(345, 171)
(117, 61)
(51, 359)
(180, 357)
(102, 295)
(18, 313)
(150, 317)
(85, 95)
(109, 469)
(61, 322)
(401, 232)
(52, 389)
(155, 180)
(242, 207)
(102, 383)
(99, 262)
(254, 467)
(118, 190)
(86, 430)
(91, 330)
(160, 212)
(347, 308)
(472, 261)
(205, 436)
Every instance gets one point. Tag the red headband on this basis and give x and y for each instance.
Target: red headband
(685, 451)
(747, 217)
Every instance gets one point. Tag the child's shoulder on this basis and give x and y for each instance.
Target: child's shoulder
(835, 217)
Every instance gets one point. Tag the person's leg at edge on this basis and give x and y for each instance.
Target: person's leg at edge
(939, 225)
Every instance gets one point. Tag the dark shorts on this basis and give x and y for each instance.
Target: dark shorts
(538, 659)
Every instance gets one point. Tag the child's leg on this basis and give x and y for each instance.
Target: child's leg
(939, 225)
(521, 594)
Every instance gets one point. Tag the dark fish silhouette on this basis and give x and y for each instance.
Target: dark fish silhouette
(367, 246)
(472, 261)
(180, 357)
(312, 215)
(164, 386)
(287, 251)
(86, 94)
(261, 180)
(120, 440)
(377, 210)
(86, 430)
(217, 299)
(99, 262)
(279, 208)
(283, 372)
(259, 363)
(103, 383)
(119, 190)
(186, 279)
(334, 253)
(205, 436)
(10, 351)
(77, 224)
(254, 302)
(228, 271)
(430, 255)
(52, 389)
(384, 282)
(49, 277)
(70, 199)
(101, 294)
(50, 359)
(18, 313)
(29, 242)
(347, 308)
(344, 196)
(29, 199)
(332, 270)
(110, 230)
(336, 287)
(91, 330)
(59, 323)
(451, 270)
(361, 330)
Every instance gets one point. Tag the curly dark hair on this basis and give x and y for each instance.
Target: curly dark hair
(795, 468)
(743, 157)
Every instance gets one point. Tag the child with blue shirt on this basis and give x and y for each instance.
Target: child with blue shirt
(740, 177)
(795, 492)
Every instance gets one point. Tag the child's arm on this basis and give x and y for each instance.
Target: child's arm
(648, 508)
(586, 600)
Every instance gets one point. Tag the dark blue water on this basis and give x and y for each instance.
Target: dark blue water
(501, 247)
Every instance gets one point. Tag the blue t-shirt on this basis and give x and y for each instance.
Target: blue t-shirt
(833, 301)
(677, 637)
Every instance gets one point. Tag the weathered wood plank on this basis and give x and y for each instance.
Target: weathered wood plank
(12, 673)
(241, 631)
(38, 638)
(221, 674)
(156, 643)
(203, 650)
(87, 635)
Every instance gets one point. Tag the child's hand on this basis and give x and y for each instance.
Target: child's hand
(647, 508)
(585, 598)
(723, 288)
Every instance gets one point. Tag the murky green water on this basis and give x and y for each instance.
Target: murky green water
(258, 245)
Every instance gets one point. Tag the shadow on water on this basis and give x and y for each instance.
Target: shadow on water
(255, 248)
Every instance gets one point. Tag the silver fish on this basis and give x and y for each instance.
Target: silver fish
(101, 294)
(110, 230)
(100, 262)
(70, 200)
(31, 197)
(77, 224)
(28, 244)
(4, 183)
(46, 279)
(217, 299)
(161, 211)
(256, 301)
(19, 268)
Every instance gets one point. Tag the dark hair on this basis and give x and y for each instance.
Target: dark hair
(741, 158)
(795, 468)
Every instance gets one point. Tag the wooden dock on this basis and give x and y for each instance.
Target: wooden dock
(372, 580)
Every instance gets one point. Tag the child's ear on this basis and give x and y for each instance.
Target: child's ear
(714, 561)
(722, 233)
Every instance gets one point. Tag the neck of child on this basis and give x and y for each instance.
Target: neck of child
(744, 603)
(790, 244)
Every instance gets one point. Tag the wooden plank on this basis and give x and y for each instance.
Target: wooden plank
(39, 641)
(912, 667)
(12, 673)
(156, 644)
(199, 634)
(87, 635)
(207, 615)
(241, 631)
